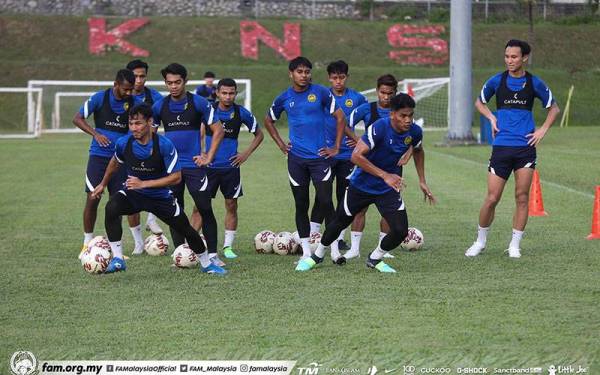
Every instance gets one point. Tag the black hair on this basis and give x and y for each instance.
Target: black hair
(299, 61)
(143, 109)
(525, 47)
(134, 64)
(125, 75)
(174, 68)
(387, 80)
(229, 82)
(337, 67)
(400, 101)
(209, 74)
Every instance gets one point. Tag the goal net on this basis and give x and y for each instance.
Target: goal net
(62, 99)
(21, 109)
(432, 96)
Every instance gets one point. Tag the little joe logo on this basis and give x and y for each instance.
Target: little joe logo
(23, 363)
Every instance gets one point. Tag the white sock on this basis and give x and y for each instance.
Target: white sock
(204, 259)
(515, 243)
(355, 238)
(136, 232)
(378, 253)
(305, 247)
(342, 234)
(87, 237)
(151, 218)
(320, 252)
(335, 250)
(482, 235)
(315, 227)
(229, 237)
(117, 249)
(381, 235)
(211, 255)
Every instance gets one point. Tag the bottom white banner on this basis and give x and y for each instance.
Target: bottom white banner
(166, 367)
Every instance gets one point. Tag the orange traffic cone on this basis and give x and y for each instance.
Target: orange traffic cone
(536, 202)
(595, 235)
(410, 91)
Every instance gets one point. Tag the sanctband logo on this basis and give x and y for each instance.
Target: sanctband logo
(23, 363)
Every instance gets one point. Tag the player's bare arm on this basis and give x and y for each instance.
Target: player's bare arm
(270, 125)
(82, 124)
(134, 183)
(241, 157)
(536, 137)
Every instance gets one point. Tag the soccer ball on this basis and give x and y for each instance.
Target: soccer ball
(184, 257)
(263, 242)
(99, 241)
(156, 244)
(283, 243)
(413, 241)
(96, 258)
(297, 248)
(314, 241)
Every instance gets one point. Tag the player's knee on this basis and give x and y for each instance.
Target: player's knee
(522, 198)
(491, 200)
(111, 209)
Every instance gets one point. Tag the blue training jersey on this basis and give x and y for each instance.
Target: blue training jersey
(386, 147)
(307, 113)
(209, 93)
(229, 145)
(515, 124)
(92, 106)
(168, 154)
(363, 113)
(350, 100)
(156, 96)
(184, 134)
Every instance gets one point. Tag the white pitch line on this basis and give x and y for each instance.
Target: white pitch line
(553, 184)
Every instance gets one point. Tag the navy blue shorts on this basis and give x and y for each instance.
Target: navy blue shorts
(161, 207)
(195, 180)
(342, 170)
(96, 167)
(227, 179)
(506, 159)
(301, 171)
(355, 200)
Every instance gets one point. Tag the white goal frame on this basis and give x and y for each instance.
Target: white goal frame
(425, 83)
(34, 111)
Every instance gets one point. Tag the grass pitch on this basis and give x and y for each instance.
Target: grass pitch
(440, 309)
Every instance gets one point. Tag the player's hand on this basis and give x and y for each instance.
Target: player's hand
(238, 159)
(327, 152)
(494, 123)
(134, 183)
(102, 140)
(405, 157)
(536, 137)
(98, 190)
(285, 148)
(427, 195)
(394, 181)
(201, 160)
(351, 142)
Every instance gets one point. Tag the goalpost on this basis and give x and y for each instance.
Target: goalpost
(12, 123)
(432, 96)
(61, 99)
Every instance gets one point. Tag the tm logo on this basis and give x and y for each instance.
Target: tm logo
(312, 369)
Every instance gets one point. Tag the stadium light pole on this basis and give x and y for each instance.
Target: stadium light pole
(461, 104)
